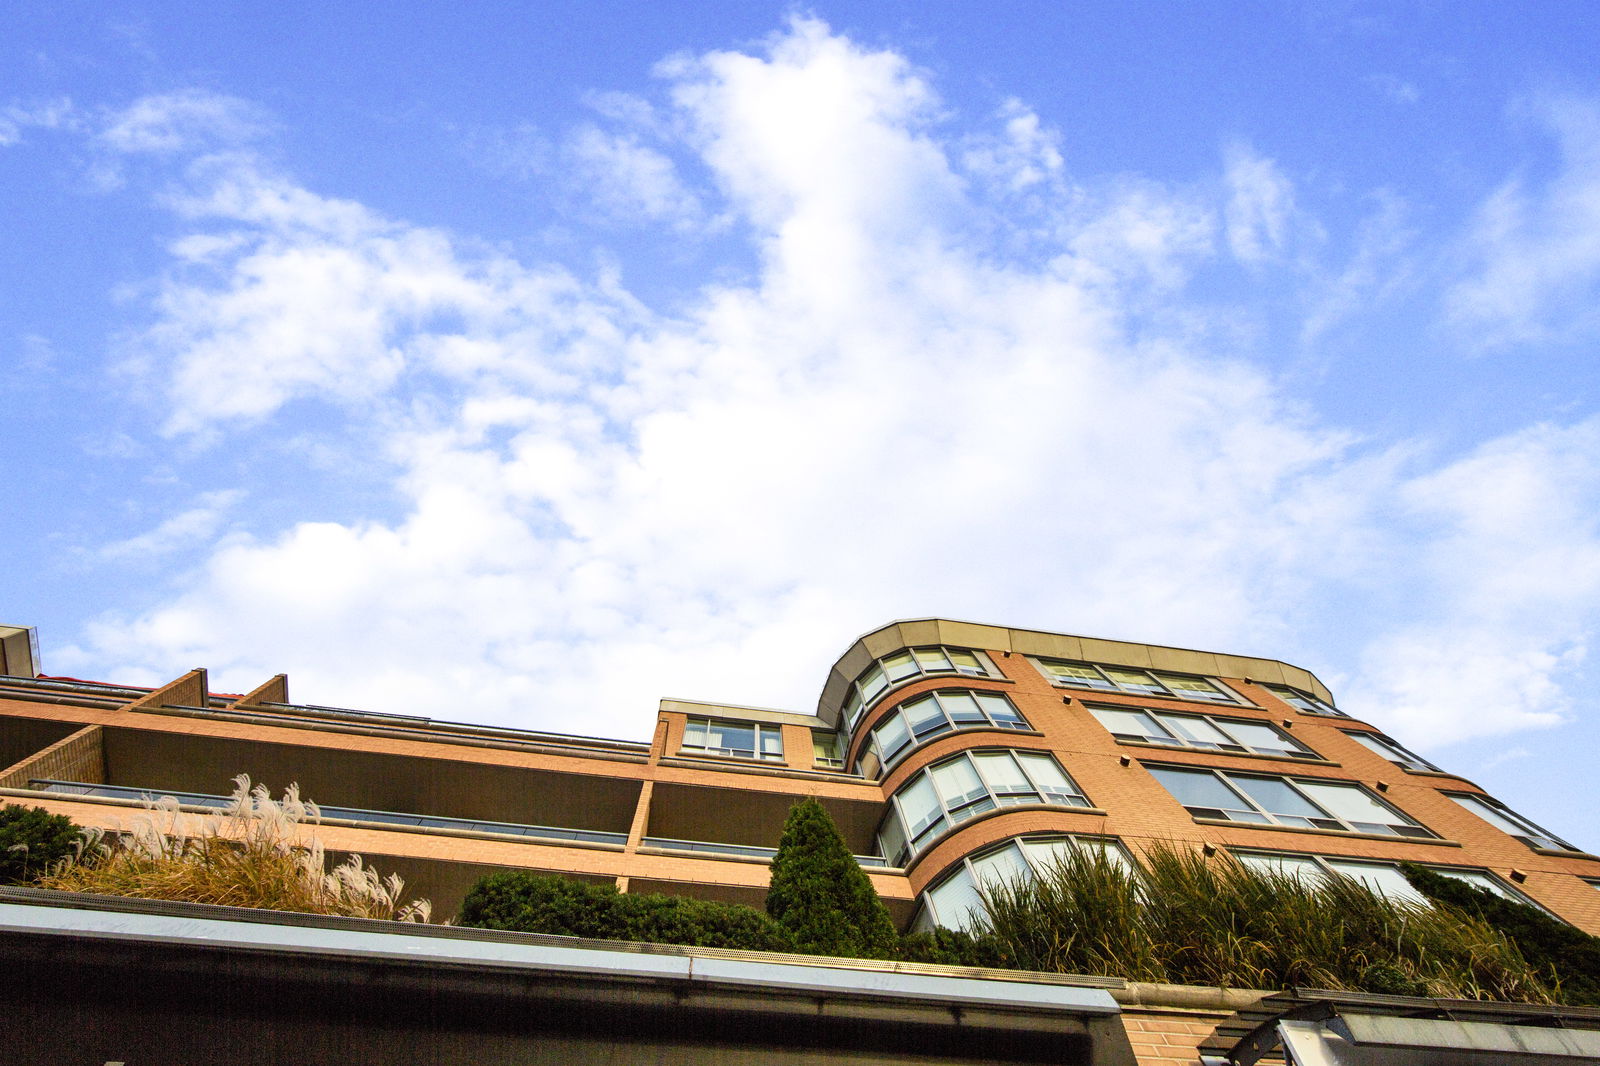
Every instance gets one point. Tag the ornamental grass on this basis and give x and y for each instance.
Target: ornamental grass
(258, 852)
(1188, 919)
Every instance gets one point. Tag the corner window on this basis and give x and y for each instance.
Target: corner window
(950, 792)
(1391, 750)
(1199, 731)
(1304, 701)
(918, 721)
(890, 670)
(740, 740)
(827, 750)
(1383, 878)
(956, 902)
(1134, 681)
(1508, 821)
(1281, 801)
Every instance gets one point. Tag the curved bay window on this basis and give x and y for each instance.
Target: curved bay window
(956, 901)
(1301, 803)
(918, 721)
(890, 670)
(950, 792)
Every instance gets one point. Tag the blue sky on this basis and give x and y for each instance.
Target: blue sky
(531, 364)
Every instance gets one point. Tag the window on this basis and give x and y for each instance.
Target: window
(1138, 682)
(1508, 821)
(956, 902)
(1304, 701)
(1392, 751)
(889, 671)
(827, 749)
(1199, 731)
(937, 713)
(1282, 801)
(744, 740)
(954, 790)
(1383, 878)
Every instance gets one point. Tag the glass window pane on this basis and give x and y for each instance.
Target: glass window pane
(1509, 822)
(892, 838)
(956, 902)
(1259, 736)
(957, 782)
(966, 661)
(931, 659)
(925, 717)
(1383, 879)
(1078, 674)
(1478, 879)
(695, 735)
(873, 684)
(1002, 772)
(1002, 866)
(900, 666)
(1046, 852)
(772, 741)
(1274, 796)
(893, 737)
(1194, 688)
(733, 736)
(1133, 680)
(1352, 804)
(1196, 730)
(1197, 788)
(999, 709)
(1131, 724)
(919, 806)
(961, 707)
(1051, 779)
(1300, 866)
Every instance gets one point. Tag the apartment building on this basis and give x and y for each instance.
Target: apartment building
(947, 752)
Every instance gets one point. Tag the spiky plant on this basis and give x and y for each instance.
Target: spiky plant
(259, 852)
(1189, 919)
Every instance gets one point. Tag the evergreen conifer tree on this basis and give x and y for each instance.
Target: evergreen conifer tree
(821, 896)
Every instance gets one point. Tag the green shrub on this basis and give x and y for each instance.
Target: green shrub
(1569, 957)
(32, 840)
(536, 903)
(952, 947)
(820, 895)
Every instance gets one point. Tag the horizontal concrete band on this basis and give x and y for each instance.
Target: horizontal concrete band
(557, 961)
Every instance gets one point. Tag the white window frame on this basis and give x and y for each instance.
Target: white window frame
(1392, 750)
(950, 813)
(1156, 685)
(1304, 701)
(951, 725)
(1533, 832)
(759, 731)
(858, 701)
(1272, 820)
(824, 741)
(1031, 866)
(1293, 749)
(1330, 864)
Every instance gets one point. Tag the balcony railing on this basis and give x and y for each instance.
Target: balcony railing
(753, 851)
(352, 814)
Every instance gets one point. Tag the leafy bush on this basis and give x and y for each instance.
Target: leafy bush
(32, 841)
(952, 947)
(1568, 957)
(537, 903)
(820, 895)
(1189, 920)
(254, 854)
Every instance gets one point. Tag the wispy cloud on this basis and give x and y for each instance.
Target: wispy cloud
(184, 530)
(899, 414)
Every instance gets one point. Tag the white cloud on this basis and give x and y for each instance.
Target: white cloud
(16, 118)
(180, 531)
(1534, 249)
(604, 505)
(1260, 206)
(182, 121)
(631, 179)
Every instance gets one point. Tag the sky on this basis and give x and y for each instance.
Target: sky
(528, 363)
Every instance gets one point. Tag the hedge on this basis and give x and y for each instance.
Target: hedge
(32, 840)
(538, 903)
